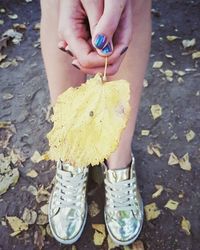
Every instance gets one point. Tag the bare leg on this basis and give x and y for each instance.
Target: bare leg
(60, 72)
(133, 69)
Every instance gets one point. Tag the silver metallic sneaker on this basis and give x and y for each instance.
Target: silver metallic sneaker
(67, 204)
(124, 208)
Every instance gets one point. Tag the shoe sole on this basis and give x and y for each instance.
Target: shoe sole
(71, 241)
(125, 243)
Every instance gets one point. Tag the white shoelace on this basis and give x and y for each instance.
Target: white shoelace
(69, 189)
(121, 196)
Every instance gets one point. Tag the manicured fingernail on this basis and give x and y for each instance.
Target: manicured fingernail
(75, 66)
(100, 41)
(69, 52)
(123, 51)
(107, 49)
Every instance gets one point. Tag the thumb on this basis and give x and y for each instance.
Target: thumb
(107, 25)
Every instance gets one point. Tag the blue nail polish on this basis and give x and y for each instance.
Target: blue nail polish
(100, 41)
(107, 49)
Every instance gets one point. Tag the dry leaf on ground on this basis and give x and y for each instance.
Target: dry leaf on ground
(172, 38)
(190, 135)
(157, 64)
(32, 173)
(99, 234)
(88, 115)
(184, 162)
(154, 149)
(173, 159)
(29, 216)
(158, 192)
(156, 111)
(14, 35)
(44, 209)
(93, 209)
(42, 195)
(172, 205)
(17, 225)
(39, 237)
(111, 243)
(185, 225)
(189, 43)
(151, 211)
(138, 245)
(42, 219)
(145, 132)
(196, 55)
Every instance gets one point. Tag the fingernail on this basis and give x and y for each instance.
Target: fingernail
(100, 41)
(107, 49)
(69, 52)
(63, 49)
(75, 66)
(123, 51)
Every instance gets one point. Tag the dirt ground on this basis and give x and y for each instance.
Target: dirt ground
(179, 97)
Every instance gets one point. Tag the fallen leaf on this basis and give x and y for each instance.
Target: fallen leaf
(6, 64)
(189, 43)
(8, 96)
(154, 149)
(111, 243)
(29, 216)
(158, 192)
(32, 190)
(156, 111)
(157, 64)
(13, 16)
(99, 234)
(44, 209)
(37, 157)
(1, 22)
(172, 38)
(2, 57)
(19, 26)
(196, 55)
(15, 35)
(17, 225)
(93, 209)
(32, 174)
(168, 73)
(184, 162)
(190, 135)
(180, 80)
(74, 247)
(151, 211)
(180, 72)
(145, 83)
(185, 225)
(138, 245)
(172, 205)
(145, 132)
(173, 159)
(42, 219)
(168, 56)
(37, 26)
(42, 195)
(48, 230)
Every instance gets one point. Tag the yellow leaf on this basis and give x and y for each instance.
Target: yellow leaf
(93, 209)
(168, 73)
(151, 211)
(171, 38)
(156, 111)
(138, 245)
(37, 157)
(196, 55)
(154, 149)
(173, 159)
(145, 132)
(157, 64)
(184, 162)
(158, 192)
(32, 174)
(44, 209)
(190, 135)
(100, 234)
(17, 225)
(189, 43)
(111, 243)
(88, 121)
(185, 225)
(29, 216)
(172, 205)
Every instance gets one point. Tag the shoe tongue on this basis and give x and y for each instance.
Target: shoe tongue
(118, 175)
(72, 170)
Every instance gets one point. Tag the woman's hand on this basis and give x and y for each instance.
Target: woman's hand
(109, 32)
